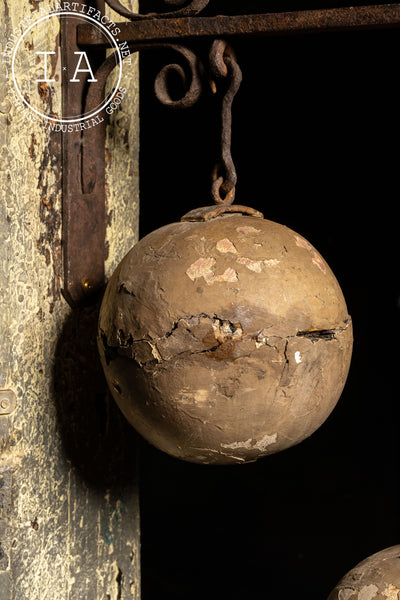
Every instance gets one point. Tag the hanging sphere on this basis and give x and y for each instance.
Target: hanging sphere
(376, 578)
(224, 340)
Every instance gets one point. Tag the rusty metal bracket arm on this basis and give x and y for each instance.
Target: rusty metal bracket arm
(181, 29)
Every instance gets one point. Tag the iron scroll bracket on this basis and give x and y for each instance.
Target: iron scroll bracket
(84, 202)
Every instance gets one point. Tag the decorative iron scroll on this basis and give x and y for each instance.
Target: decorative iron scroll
(191, 8)
(93, 139)
(223, 67)
(193, 88)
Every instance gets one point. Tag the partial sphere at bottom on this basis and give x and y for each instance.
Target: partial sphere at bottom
(375, 578)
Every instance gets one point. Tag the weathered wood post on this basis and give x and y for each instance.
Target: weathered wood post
(69, 511)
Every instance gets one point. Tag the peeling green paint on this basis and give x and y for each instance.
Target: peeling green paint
(66, 455)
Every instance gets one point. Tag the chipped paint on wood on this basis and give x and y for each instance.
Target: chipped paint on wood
(122, 171)
(69, 525)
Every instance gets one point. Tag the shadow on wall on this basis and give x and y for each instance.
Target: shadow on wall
(97, 439)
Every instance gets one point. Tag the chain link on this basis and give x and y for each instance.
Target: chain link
(224, 65)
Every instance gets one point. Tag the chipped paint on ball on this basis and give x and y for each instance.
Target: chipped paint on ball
(272, 262)
(260, 445)
(319, 262)
(203, 267)
(201, 395)
(223, 331)
(266, 441)
(391, 592)
(229, 275)
(297, 357)
(224, 246)
(247, 230)
(347, 594)
(303, 243)
(368, 592)
(257, 265)
(252, 265)
(235, 445)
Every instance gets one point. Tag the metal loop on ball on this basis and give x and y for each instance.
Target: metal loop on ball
(217, 187)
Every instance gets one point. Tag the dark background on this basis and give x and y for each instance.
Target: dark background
(315, 143)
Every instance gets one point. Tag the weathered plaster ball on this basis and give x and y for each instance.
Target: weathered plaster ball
(225, 340)
(376, 578)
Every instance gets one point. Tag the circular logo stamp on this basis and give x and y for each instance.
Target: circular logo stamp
(38, 69)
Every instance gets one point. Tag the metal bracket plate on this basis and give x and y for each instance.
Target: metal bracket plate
(83, 210)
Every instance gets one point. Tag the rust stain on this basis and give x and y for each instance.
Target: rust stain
(32, 147)
(35, 524)
(43, 91)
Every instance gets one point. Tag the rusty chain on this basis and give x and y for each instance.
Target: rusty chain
(224, 65)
